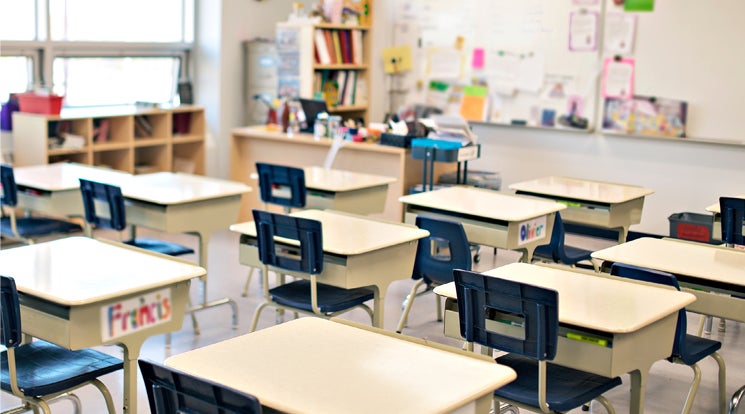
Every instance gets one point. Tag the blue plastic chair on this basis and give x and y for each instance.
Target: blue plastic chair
(95, 193)
(39, 372)
(445, 250)
(559, 252)
(539, 385)
(273, 177)
(281, 185)
(732, 213)
(26, 229)
(305, 296)
(172, 391)
(687, 349)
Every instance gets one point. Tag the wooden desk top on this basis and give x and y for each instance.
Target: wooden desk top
(158, 188)
(716, 208)
(483, 203)
(326, 179)
(318, 366)
(348, 234)
(65, 176)
(80, 270)
(602, 303)
(581, 189)
(177, 188)
(704, 261)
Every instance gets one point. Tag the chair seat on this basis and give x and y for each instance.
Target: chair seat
(45, 368)
(566, 388)
(698, 348)
(160, 246)
(330, 298)
(544, 251)
(30, 227)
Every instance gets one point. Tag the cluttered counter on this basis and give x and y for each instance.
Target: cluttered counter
(258, 144)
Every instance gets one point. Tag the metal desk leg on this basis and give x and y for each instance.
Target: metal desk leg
(736, 399)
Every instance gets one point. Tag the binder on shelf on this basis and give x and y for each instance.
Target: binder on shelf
(324, 57)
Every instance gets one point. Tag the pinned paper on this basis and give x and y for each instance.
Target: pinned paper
(619, 33)
(618, 77)
(583, 31)
(396, 59)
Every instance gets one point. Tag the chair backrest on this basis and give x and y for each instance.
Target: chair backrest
(480, 296)
(171, 391)
(272, 176)
(732, 213)
(94, 192)
(10, 313)
(10, 189)
(306, 258)
(663, 278)
(445, 250)
(558, 234)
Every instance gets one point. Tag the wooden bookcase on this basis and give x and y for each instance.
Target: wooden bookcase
(300, 69)
(131, 139)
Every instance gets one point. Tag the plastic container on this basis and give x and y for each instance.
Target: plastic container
(691, 226)
(40, 104)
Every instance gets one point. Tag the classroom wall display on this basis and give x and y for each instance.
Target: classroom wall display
(541, 60)
(530, 62)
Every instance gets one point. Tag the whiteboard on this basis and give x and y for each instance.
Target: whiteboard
(524, 45)
(687, 50)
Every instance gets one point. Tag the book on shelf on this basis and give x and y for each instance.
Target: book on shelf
(143, 128)
(342, 82)
(330, 45)
(337, 46)
(101, 132)
(349, 90)
(346, 46)
(322, 50)
(356, 46)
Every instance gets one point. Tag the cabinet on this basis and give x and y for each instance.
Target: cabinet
(313, 57)
(260, 77)
(131, 139)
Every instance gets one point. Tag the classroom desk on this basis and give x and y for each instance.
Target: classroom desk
(358, 252)
(595, 307)
(712, 273)
(249, 145)
(165, 201)
(70, 290)
(353, 192)
(489, 217)
(314, 365)
(715, 209)
(593, 203)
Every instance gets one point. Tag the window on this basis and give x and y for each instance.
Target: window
(15, 71)
(98, 52)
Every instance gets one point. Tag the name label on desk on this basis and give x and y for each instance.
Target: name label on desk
(530, 230)
(135, 314)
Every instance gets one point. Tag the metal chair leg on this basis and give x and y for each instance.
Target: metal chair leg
(248, 282)
(735, 401)
(408, 303)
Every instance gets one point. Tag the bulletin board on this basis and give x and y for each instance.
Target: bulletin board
(529, 62)
(535, 59)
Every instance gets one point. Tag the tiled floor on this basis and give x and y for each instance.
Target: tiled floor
(666, 389)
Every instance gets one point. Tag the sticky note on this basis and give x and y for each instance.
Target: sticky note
(638, 5)
(477, 60)
(396, 59)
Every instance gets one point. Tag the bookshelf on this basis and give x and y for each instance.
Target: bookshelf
(131, 139)
(314, 56)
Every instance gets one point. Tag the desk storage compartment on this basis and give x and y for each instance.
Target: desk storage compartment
(691, 226)
(480, 179)
(394, 140)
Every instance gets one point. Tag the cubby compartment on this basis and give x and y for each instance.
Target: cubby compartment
(151, 159)
(70, 156)
(118, 159)
(188, 158)
(151, 127)
(112, 130)
(187, 125)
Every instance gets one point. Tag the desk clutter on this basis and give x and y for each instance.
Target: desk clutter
(332, 247)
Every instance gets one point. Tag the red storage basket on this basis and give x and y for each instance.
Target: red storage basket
(40, 104)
